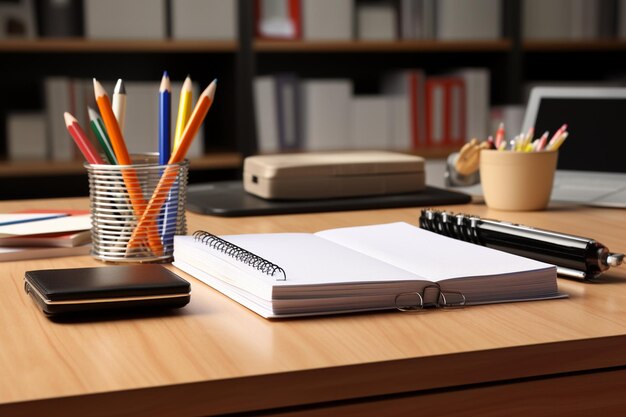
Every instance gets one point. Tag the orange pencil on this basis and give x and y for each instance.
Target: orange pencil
(195, 120)
(82, 141)
(123, 158)
(113, 128)
(169, 175)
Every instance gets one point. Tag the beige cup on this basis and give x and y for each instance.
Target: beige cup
(517, 181)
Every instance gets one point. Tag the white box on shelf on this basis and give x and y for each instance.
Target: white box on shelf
(123, 19)
(327, 20)
(26, 136)
(326, 113)
(204, 19)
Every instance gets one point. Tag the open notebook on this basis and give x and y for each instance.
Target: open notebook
(359, 268)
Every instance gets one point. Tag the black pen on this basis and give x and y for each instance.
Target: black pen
(574, 256)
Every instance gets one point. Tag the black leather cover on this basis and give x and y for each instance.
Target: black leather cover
(86, 288)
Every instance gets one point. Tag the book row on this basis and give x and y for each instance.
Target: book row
(413, 111)
(43, 135)
(312, 19)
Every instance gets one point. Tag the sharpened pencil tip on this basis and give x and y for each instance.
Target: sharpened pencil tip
(165, 83)
(187, 84)
(98, 89)
(120, 88)
(69, 119)
(210, 90)
(165, 74)
(93, 115)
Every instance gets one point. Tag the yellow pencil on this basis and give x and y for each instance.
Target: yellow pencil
(184, 111)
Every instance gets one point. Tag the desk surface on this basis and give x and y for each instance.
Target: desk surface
(216, 357)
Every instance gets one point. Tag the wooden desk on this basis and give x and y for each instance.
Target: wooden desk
(216, 357)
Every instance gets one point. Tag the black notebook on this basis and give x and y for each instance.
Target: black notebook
(361, 268)
(229, 199)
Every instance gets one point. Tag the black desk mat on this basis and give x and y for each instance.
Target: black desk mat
(229, 199)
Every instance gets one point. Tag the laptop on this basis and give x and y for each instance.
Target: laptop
(591, 167)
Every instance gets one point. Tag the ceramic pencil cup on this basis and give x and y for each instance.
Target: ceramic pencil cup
(517, 181)
(137, 209)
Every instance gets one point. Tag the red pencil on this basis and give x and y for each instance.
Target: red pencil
(82, 141)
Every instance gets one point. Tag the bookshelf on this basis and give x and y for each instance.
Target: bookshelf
(391, 47)
(79, 45)
(232, 135)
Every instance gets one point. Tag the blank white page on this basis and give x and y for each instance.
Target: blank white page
(308, 260)
(433, 256)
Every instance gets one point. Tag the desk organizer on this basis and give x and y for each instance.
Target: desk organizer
(119, 196)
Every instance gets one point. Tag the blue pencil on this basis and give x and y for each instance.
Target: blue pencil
(165, 92)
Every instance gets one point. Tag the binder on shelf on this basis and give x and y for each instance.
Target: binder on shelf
(406, 92)
(327, 20)
(445, 111)
(469, 20)
(376, 21)
(278, 19)
(362, 268)
(266, 114)
(326, 113)
(204, 19)
(26, 136)
(370, 125)
(477, 96)
(288, 107)
(122, 19)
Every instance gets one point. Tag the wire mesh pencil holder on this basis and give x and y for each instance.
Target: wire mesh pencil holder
(137, 209)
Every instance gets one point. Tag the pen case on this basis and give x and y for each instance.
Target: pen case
(317, 175)
(66, 291)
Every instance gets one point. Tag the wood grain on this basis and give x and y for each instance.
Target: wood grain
(215, 356)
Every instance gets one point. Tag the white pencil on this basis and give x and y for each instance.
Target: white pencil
(119, 103)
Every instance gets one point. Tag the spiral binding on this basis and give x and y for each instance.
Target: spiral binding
(457, 226)
(240, 254)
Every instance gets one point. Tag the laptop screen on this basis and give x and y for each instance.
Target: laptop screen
(596, 122)
(597, 131)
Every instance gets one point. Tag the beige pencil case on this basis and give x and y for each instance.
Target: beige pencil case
(333, 174)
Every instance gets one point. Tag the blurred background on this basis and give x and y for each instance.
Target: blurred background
(417, 76)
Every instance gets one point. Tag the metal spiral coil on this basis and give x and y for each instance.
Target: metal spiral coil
(240, 254)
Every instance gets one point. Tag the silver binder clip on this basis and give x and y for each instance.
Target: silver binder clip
(417, 304)
(452, 299)
(416, 301)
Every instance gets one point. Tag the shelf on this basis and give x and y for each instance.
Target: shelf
(81, 45)
(503, 45)
(575, 45)
(217, 160)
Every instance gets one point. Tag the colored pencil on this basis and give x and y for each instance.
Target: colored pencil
(82, 141)
(195, 121)
(129, 175)
(110, 122)
(97, 126)
(184, 110)
(165, 92)
(499, 135)
(119, 104)
(169, 175)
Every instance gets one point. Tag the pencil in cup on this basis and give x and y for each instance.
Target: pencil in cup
(168, 178)
(112, 212)
(127, 171)
(184, 112)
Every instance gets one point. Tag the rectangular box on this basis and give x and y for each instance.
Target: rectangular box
(333, 174)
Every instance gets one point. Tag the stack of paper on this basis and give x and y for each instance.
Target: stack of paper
(44, 234)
